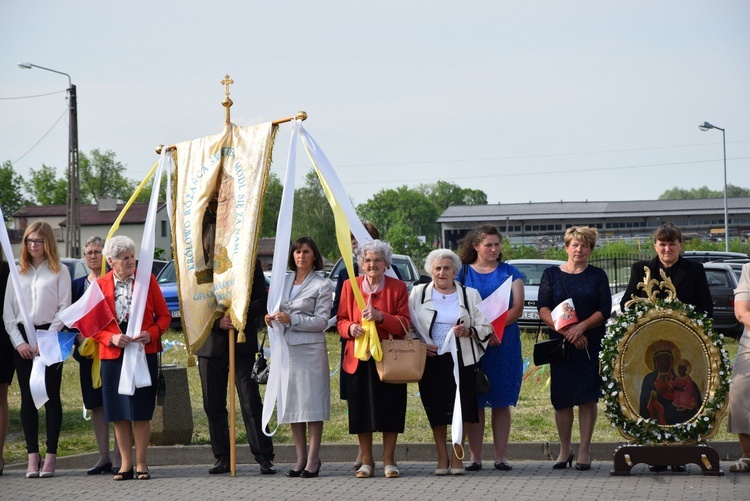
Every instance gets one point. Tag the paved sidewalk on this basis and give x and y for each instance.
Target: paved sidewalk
(532, 480)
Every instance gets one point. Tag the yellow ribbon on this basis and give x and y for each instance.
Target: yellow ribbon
(369, 343)
(90, 348)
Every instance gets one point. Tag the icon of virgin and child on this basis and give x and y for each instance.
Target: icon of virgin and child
(668, 393)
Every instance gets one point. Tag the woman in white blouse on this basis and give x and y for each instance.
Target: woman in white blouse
(45, 291)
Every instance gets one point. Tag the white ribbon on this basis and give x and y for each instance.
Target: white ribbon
(278, 376)
(134, 373)
(457, 425)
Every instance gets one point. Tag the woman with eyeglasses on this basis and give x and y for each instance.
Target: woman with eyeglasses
(84, 353)
(45, 291)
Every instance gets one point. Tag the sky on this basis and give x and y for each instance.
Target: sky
(529, 101)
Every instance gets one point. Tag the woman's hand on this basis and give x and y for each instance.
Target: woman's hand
(493, 340)
(461, 331)
(356, 330)
(372, 314)
(26, 351)
(144, 338)
(432, 350)
(280, 317)
(120, 340)
(575, 335)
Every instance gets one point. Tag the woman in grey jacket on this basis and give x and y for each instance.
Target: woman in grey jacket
(304, 313)
(438, 307)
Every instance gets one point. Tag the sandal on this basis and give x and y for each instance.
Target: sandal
(391, 471)
(365, 471)
(123, 475)
(741, 466)
(143, 475)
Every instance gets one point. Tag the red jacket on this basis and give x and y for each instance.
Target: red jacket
(156, 318)
(392, 301)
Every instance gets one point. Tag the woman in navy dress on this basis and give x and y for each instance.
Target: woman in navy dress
(576, 380)
(480, 253)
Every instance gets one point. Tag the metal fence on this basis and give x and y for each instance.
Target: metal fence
(618, 267)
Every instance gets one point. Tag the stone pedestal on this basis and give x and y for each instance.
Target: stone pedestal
(173, 416)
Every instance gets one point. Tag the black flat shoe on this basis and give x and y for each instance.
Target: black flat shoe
(98, 470)
(503, 466)
(311, 474)
(474, 467)
(678, 468)
(583, 466)
(124, 475)
(143, 475)
(561, 465)
(657, 467)
(294, 473)
(221, 466)
(267, 468)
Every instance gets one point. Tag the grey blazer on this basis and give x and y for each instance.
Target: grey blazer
(309, 310)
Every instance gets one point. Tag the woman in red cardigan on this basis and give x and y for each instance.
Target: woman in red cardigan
(374, 405)
(138, 409)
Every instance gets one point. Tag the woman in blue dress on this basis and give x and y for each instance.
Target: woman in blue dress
(575, 381)
(481, 254)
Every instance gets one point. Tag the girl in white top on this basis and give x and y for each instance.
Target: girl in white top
(45, 286)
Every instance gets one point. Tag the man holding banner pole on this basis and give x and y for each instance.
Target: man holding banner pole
(213, 364)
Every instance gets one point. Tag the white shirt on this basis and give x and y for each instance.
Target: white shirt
(43, 292)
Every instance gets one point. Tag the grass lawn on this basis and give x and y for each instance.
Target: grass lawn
(533, 418)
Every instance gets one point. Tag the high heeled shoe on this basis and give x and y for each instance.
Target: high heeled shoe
(32, 472)
(561, 465)
(311, 474)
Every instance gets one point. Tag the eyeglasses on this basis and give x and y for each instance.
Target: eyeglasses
(31, 242)
(92, 253)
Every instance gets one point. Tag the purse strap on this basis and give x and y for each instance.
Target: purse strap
(262, 344)
(562, 279)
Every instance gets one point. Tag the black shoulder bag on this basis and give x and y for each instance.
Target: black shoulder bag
(552, 350)
(260, 367)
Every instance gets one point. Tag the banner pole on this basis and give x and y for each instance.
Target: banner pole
(232, 412)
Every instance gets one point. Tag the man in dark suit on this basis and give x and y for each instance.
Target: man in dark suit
(688, 278)
(213, 364)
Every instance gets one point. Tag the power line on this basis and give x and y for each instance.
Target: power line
(31, 97)
(42, 138)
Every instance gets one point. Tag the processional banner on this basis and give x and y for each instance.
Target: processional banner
(220, 182)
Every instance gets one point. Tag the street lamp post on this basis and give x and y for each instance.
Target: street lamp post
(704, 127)
(73, 230)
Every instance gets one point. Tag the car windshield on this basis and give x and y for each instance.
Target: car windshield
(404, 269)
(532, 271)
(168, 274)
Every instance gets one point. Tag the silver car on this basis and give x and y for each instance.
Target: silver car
(532, 270)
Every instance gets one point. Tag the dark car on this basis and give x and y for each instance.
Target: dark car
(722, 280)
(76, 267)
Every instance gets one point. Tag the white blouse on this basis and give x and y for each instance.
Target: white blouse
(43, 292)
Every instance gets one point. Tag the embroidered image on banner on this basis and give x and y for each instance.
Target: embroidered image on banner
(220, 182)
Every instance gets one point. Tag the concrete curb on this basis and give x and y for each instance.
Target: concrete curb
(343, 453)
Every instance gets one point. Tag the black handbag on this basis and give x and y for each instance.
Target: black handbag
(260, 370)
(481, 381)
(552, 350)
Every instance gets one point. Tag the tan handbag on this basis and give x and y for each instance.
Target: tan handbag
(403, 359)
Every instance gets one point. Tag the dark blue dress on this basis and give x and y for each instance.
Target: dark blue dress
(502, 364)
(576, 381)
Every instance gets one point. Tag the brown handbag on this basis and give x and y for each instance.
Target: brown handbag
(403, 359)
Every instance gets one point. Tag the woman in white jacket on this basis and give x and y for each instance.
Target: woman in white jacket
(438, 307)
(304, 313)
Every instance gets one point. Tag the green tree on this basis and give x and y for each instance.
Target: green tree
(11, 185)
(703, 192)
(271, 206)
(145, 194)
(401, 209)
(444, 194)
(101, 176)
(46, 188)
(313, 216)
